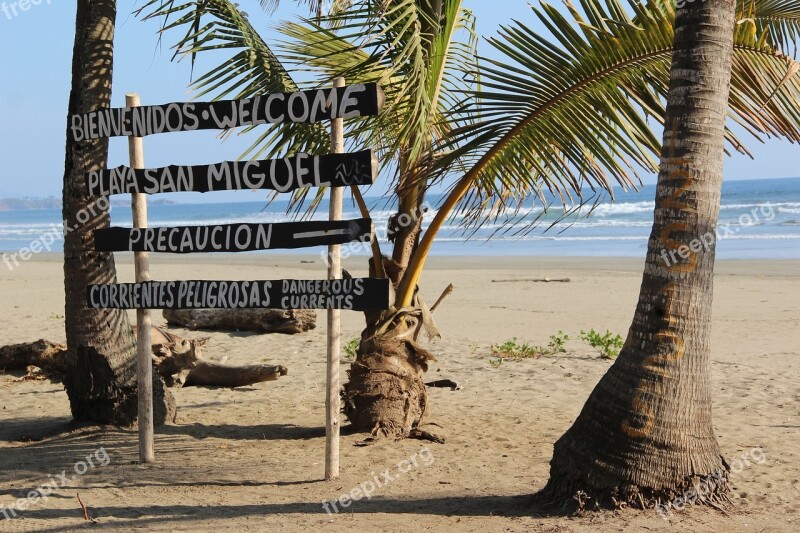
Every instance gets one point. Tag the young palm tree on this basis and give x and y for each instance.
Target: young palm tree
(645, 435)
(101, 375)
(562, 115)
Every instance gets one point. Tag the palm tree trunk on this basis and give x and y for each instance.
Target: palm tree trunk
(385, 394)
(101, 374)
(645, 435)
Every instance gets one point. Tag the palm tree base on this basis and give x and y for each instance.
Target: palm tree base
(571, 494)
(99, 395)
(386, 394)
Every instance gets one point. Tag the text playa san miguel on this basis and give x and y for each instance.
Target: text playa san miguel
(281, 175)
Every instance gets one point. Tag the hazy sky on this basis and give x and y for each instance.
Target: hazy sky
(35, 61)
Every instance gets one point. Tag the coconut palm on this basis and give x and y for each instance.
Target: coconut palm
(645, 435)
(563, 114)
(101, 365)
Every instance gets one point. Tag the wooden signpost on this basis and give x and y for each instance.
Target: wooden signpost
(333, 400)
(334, 170)
(144, 345)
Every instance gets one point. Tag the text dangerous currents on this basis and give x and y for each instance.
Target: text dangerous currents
(305, 106)
(359, 294)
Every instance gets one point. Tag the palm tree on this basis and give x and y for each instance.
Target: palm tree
(645, 435)
(562, 115)
(101, 375)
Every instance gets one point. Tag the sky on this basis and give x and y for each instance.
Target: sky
(35, 62)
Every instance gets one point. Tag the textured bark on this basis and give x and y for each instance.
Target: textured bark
(645, 435)
(404, 229)
(101, 377)
(172, 355)
(256, 320)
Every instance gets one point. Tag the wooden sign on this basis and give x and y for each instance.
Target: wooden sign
(304, 106)
(358, 294)
(232, 237)
(282, 175)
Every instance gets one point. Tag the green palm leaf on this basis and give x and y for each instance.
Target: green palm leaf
(777, 20)
(573, 116)
(568, 117)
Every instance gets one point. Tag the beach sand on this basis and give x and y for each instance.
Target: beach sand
(251, 459)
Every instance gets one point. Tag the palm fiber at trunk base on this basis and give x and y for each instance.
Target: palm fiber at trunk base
(386, 394)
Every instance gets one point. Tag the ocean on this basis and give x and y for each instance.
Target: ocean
(759, 219)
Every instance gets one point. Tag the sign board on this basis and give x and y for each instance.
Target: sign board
(357, 294)
(232, 237)
(282, 175)
(304, 106)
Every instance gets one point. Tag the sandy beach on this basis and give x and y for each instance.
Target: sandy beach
(251, 459)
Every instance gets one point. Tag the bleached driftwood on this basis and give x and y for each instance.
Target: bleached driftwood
(178, 360)
(255, 320)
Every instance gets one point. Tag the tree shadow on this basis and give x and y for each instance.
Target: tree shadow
(40, 429)
(154, 515)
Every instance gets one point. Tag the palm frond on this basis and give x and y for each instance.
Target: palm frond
(417, 51)
(778, 21)
(573, 116)
(252, 69)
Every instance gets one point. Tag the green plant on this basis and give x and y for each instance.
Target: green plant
(607, 344)
(514, 350)
(351, 349)
(557, 342)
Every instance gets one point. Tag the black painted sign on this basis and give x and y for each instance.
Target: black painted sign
(304, 106)
(358, 294)
(232, 237)
(282, 175)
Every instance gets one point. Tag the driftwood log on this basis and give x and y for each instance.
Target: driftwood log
(208, 374)
(177, 359)
(180, 361)
(255, 320)
(41, 353)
